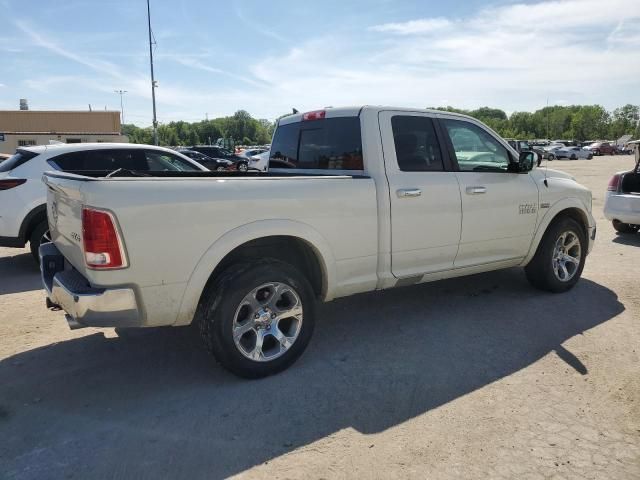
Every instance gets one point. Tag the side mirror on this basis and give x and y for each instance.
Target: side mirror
(524, 164)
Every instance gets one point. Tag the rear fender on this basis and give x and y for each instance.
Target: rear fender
(243, 234)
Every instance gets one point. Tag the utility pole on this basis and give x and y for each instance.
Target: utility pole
(121, 93)
(153, 81)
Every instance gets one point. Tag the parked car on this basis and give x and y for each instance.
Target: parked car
(549, 152)
(573, 153)
(217, 164)
(251, 152)
(214, 151)
(260, 161)
(626, 149)
(602, 148)
(375, 201)
(23, 196)
(622, 203)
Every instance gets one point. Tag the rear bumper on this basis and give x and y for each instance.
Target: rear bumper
(623, 207)
(84, 304)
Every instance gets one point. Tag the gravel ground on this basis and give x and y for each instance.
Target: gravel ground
(477, 377)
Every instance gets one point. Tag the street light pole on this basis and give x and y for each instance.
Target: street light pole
(153, 81)
(121, 93)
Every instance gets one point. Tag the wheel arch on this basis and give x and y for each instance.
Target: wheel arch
(571, 208)
(31, 220)
(289, 241)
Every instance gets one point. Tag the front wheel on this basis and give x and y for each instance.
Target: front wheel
(243, 167)
(39, 235)
(625, 227)
(257, 318)
(573, 157)
(557, 265)
(551, 157)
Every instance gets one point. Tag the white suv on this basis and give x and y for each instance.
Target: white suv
(23, 196)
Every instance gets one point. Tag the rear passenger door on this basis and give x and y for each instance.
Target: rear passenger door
(426, 212)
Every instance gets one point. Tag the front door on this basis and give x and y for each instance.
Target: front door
(500, 208)
(424, 195)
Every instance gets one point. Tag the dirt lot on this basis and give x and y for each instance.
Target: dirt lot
(479, 377)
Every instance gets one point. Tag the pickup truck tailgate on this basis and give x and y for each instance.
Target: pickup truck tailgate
(64, 212)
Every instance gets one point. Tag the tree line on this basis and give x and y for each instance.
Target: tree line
(574, 122)
(241, 128)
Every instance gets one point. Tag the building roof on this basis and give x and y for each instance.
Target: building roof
(59, 122)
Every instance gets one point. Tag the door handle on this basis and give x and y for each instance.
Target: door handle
(409, 192)
(476, 190)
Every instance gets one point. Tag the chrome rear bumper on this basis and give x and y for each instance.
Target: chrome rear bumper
(86, 306)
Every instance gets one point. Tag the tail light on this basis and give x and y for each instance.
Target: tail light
(614, 183)
(315, 115)
(102, 243)
(7, 183)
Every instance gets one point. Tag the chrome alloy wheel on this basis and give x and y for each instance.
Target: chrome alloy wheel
(566, 256)
(267, 322)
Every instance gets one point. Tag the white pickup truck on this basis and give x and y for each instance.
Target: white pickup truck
(374, 198)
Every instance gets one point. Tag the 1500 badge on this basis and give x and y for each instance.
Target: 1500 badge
(75, 236)
(527, 208)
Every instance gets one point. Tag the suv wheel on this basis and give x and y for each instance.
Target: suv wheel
(257, 318)
(557, 265)
(39, 235)
(625, 227)
(551, 157)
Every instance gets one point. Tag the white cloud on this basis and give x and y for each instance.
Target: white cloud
(413, 27)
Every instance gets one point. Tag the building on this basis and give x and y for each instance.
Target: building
(20, 128)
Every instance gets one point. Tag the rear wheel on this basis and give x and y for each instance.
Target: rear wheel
(243, 167)
(557, 265)
(573, 157)
(257, 318)
(39, 235)
(625, 227)
(551, 157)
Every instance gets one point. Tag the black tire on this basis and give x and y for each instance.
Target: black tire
(243, 167)
(36, 239)
(540, 270)
(551, 157)
(573, 157)
(625, 227)
(222, 299)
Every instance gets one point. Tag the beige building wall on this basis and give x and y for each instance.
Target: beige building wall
(34, 127)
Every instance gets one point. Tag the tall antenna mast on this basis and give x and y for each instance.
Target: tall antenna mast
(153, 81)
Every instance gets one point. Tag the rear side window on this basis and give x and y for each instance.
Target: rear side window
(417, 147)
(102, 160)
(110, 160)
(21, 157)
(325, 144)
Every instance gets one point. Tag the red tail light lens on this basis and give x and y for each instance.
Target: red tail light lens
(102, 244)
(614, 183)
(7, 183)
(316, 115)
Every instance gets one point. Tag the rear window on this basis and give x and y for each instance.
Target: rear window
(20, 157)
(325, 144)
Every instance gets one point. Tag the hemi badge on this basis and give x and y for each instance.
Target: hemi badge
(544, 205)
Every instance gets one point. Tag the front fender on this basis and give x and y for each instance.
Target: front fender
(246, 233)
(551, 213)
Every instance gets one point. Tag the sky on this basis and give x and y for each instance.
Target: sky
(214, 57)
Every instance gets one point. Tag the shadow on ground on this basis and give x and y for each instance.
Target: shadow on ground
(19, 273)
(632, 239)
(152, 404)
